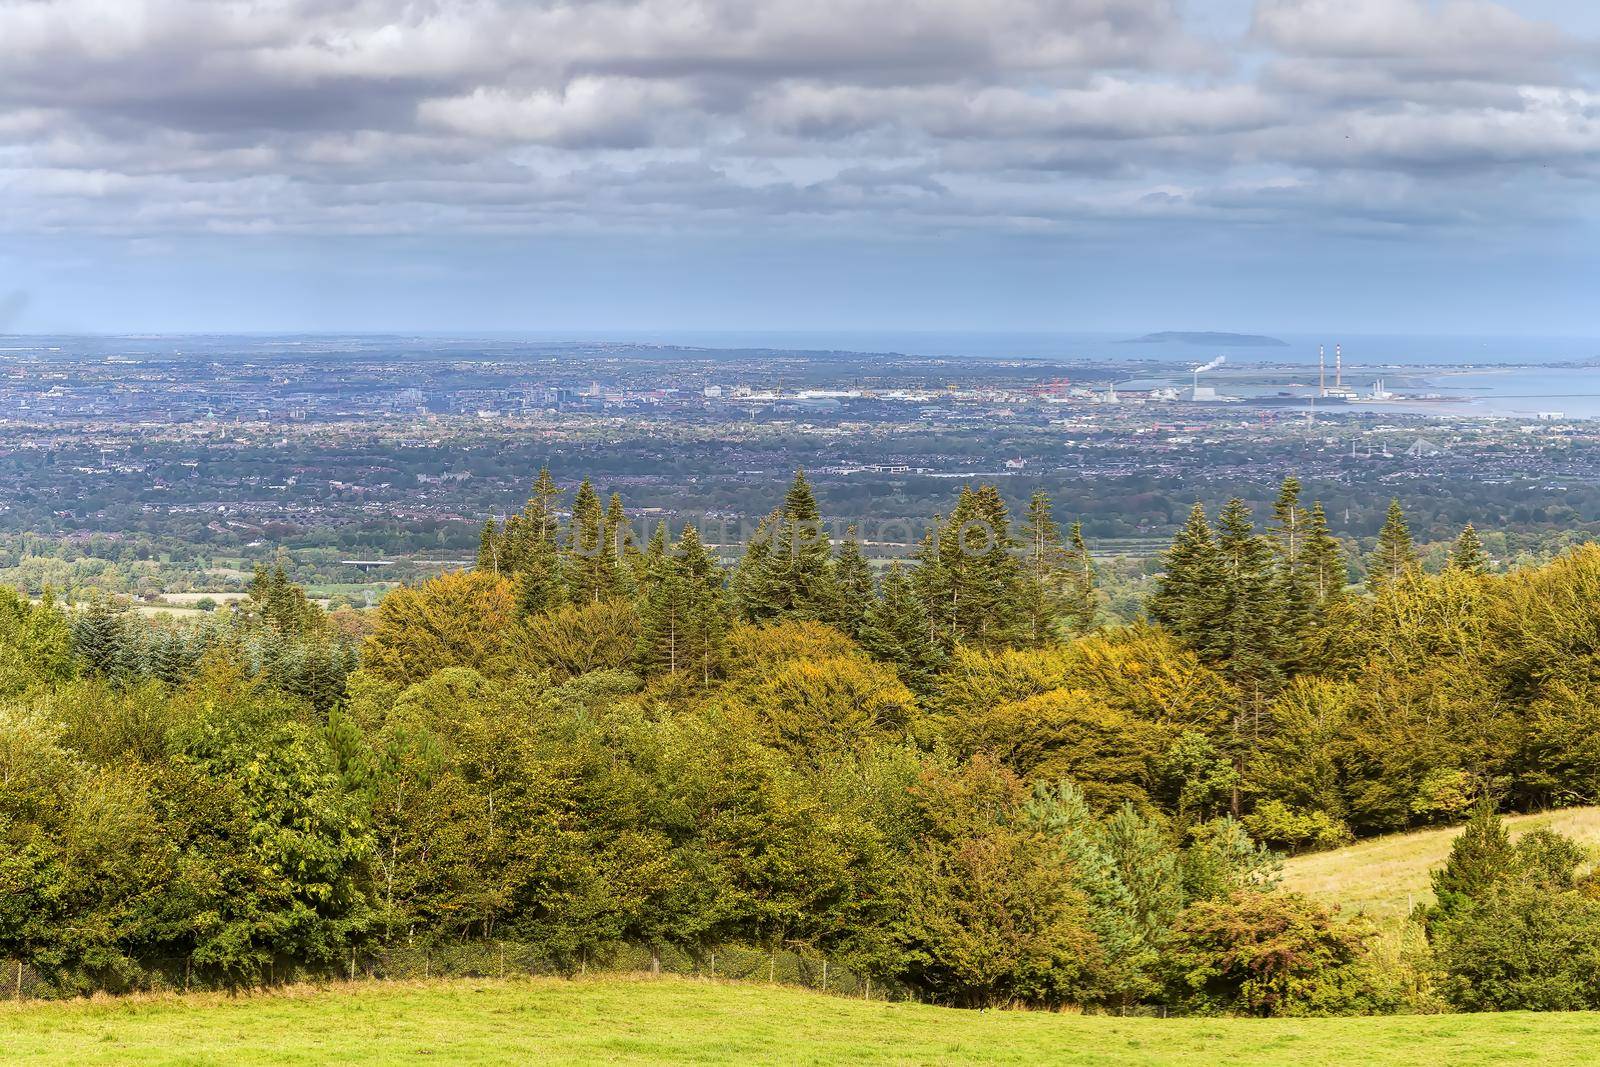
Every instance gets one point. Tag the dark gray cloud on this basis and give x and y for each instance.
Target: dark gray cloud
(148, 117)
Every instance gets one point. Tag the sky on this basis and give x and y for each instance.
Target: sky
(1379, 166)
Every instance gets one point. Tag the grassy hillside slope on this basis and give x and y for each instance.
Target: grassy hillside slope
(1385, 876)
(669, 1020)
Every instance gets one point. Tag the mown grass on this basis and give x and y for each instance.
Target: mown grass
(631, 1020)
(1385, 877)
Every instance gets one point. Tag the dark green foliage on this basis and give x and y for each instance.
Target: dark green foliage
(682, 621)
(896, 630)
(970, 581)
(1187, 599)
(852, 586)
(590, 566)
(1526, 946)
(785, 574)
(1324, 561)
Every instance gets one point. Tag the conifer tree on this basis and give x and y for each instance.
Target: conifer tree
(1324, 560)
(590, 567)
(1188, 590)
(532, 548)
(1082, 607)
(896, 630)
(102, 642)
(1046, 575)
(1247, 642)
(682, 624)
(752, 575)
(852, 585)
(1396, 555)
(1468, 555)
(1291, 533)
(789, 578)
(970, 582)
(1480, 857)
(620, 543)
(489, 548)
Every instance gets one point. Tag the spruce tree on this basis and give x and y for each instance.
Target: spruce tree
(1291, 532)
(590, 567)
(489, 548)
(102, 642)
(683, 624)
(852, 585)
(752, 576)
(620, 543)
(788, 576)
(1188, 591)
(1468, 555)
(1481, 857)
(705, 622)
(532, 548)
(970, 582)
(1248, 641)
(1396, 555)
(1324, 560)
(896, 630)
(1082, 605)
(1045, 569)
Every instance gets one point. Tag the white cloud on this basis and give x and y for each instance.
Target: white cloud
(317, 115)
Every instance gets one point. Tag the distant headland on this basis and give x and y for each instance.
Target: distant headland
(1190, 337)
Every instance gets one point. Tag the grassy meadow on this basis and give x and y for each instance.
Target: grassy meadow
(1384, 877)
(635, 1020)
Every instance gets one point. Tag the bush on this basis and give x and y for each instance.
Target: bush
(1522, 947)
(1266, 954)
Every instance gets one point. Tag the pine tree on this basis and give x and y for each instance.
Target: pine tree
(682, 624)
(1045, 567)
(489, 548)
(532, 548)
(752, 576)
(1188, 591)
(1480, 858)
(1082, 605)
(705, 620)
(896, 630)
(1324, 560)
(852, 585)
(1248, 642)
(1468, 555)
(970, 582)
(590, 567)
(1396, 555)
(788, 577)
(102, 642)
(1291, 532)
(619, 542)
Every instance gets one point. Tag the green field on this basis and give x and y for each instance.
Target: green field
(1386, 876)
(680, 1020)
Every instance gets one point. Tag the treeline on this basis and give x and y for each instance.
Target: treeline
(947, 776)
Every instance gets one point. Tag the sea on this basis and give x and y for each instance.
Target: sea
(1508, 376)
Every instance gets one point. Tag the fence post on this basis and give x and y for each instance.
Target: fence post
(824, 974)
